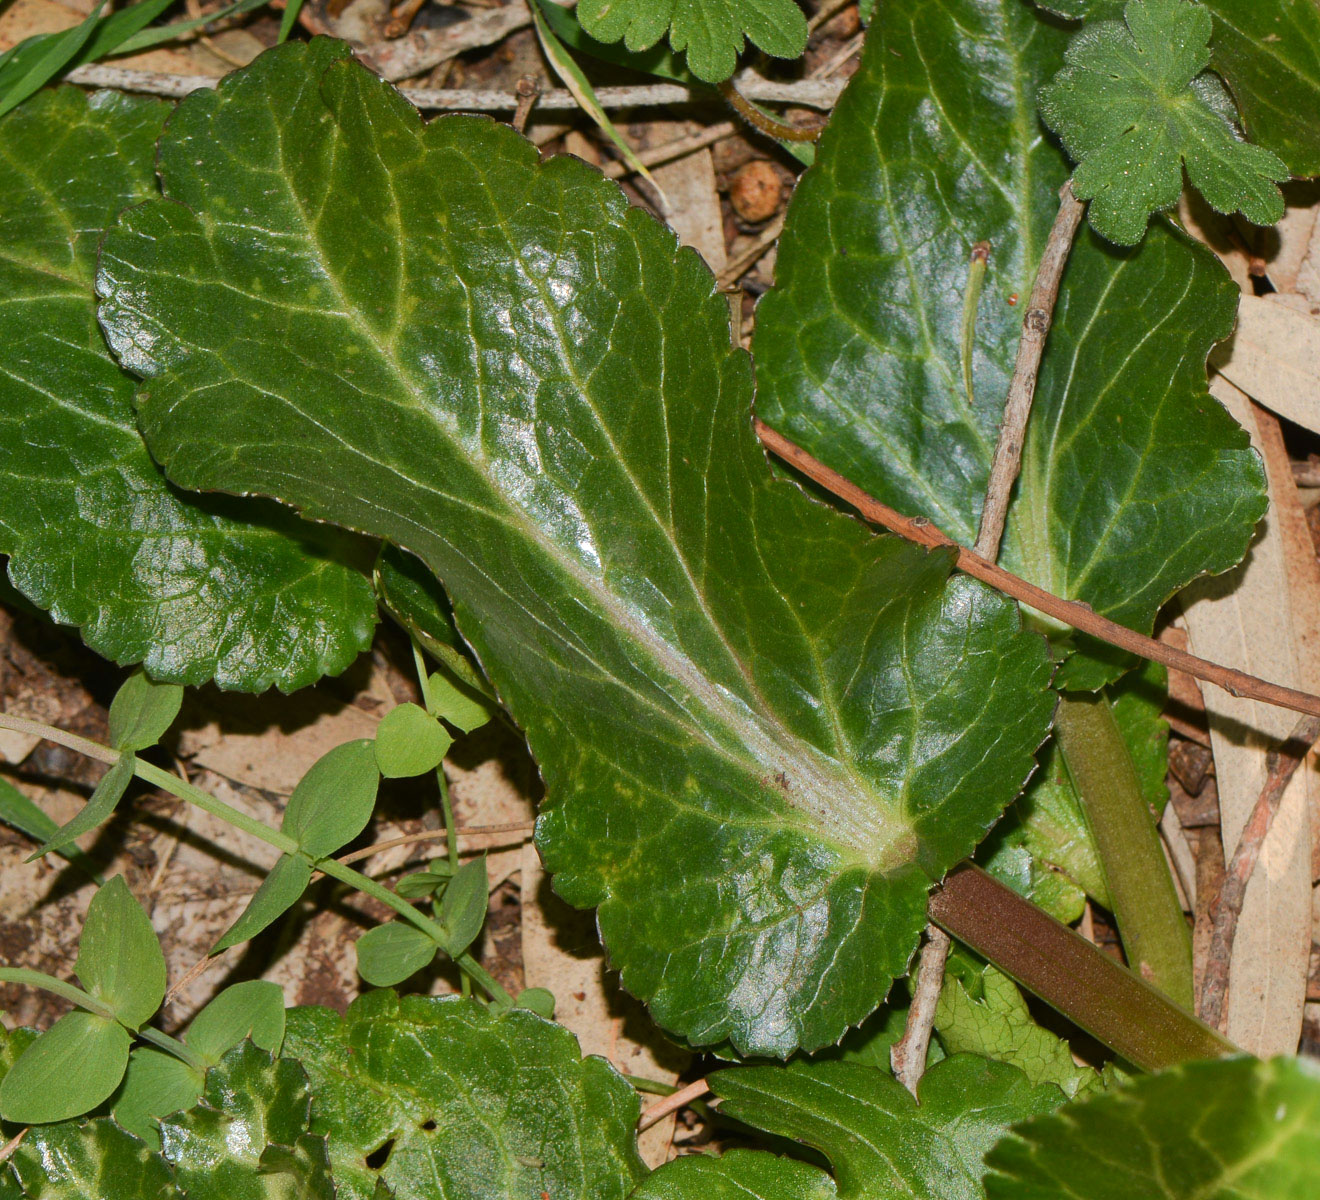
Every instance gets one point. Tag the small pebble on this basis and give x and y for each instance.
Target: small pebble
(756, 191)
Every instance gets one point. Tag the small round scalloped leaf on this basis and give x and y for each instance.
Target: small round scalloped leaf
(763, 729)
(1129, 113)
(711, 32)
(1231, 1129)
(196, 588)
(458, 1098)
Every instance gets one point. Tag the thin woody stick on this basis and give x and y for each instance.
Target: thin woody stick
(1022, 388)
(1281, 765)
(671, 1103)
(908, 1055)
(1080, 616)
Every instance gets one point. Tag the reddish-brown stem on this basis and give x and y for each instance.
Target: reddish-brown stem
(1226, 907)
(1088, 987)
(1079, 616)
(759, 120)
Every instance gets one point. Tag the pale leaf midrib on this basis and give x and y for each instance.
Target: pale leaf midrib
(824, 793)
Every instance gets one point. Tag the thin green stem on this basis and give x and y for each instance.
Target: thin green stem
(651, 1086)
(173, 1046)
(446, 804)
(57, 987)
(177, 786)
(1155, 934)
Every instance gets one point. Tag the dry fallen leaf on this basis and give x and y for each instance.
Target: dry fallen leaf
(1274, 357)
(1263, 617)
(562, 952)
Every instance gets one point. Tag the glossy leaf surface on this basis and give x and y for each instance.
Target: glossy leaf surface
(1133, 111)
(92, 1160)
(252, 1104)
(1133, 479)
(763, 730)
(464, 1102)
(1233, 1129)
(711, 32)
(736, 1175)
(197, 589)
(879, 1142)
(1268, 51)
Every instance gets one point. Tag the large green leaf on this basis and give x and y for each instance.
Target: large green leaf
(197, 589)
(710, 31)
(1233, 1129)
(1133, 479)
(447, 1095)
(880, 1143)
(1268, 51)
(248, 1138)
(91, 1160)
(763, 730)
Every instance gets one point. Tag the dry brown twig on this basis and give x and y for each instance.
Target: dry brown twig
(655, 156)
(809, 93)
(745, 260)
(1225, 909)
(671, 1103)
(1036, 322)
(529, 89)
(908, 1055)
(1071, 612)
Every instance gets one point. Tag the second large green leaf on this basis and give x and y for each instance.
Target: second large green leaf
(1134, 480)
(199, 589)
(763, 730)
